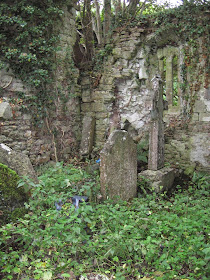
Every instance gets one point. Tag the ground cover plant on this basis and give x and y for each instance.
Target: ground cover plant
(151, 237)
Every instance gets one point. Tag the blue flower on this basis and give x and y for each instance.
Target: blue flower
(76, 199)
(58, 205)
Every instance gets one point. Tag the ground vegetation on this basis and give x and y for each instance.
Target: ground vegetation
(155, 236)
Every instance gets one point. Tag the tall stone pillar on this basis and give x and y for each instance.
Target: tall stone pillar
(156, 141)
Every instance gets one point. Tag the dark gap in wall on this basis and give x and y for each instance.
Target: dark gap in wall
(163, 76)
(175, 81)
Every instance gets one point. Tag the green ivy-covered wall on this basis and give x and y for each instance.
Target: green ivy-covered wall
(42, 120)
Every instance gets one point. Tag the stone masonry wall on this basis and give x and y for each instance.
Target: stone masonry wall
(120, 97)
(60, 133)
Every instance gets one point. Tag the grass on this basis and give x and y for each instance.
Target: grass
(151, 237)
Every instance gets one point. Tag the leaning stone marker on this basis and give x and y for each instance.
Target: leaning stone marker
(118, 167)
(18, 162)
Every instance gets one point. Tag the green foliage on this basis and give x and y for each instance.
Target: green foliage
(101, 56)
(143, 185)
(28, 40)
(11, 197)
(150, 234)
(142, 151)
(61, 182)
(201, 181)
(184, 20)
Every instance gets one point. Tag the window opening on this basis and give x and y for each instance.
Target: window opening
(175, 81)
(163, 76)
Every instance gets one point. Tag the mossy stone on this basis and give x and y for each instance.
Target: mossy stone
(12, 198)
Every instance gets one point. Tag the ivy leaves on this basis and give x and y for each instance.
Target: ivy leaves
(28, 40)
(28, 45)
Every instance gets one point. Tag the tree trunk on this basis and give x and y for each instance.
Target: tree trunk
(99, 33)
(124, 7)
(117, 6)
(88, 30)
(132, 6)
(107, 19)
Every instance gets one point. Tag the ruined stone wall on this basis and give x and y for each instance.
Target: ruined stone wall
(57, 135)
(120, 97)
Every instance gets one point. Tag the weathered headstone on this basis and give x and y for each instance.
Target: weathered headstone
(18, 162)
(88, 131)
(118, 167)
(156, 140)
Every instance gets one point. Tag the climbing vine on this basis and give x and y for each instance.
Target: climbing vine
(189, 21)
(28, 43)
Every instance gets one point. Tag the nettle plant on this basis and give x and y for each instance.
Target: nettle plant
(28, 42)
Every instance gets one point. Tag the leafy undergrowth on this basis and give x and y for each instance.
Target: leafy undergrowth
(153, 237)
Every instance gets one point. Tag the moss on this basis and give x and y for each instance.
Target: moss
(12, 198)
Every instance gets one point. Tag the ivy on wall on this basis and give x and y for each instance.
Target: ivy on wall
(28, 42)
(188, 21)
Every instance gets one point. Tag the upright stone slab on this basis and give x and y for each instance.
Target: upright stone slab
(156, 140)
(88, 131)
(118, 168)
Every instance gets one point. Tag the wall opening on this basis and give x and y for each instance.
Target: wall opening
(163, 76)
(175, 97)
